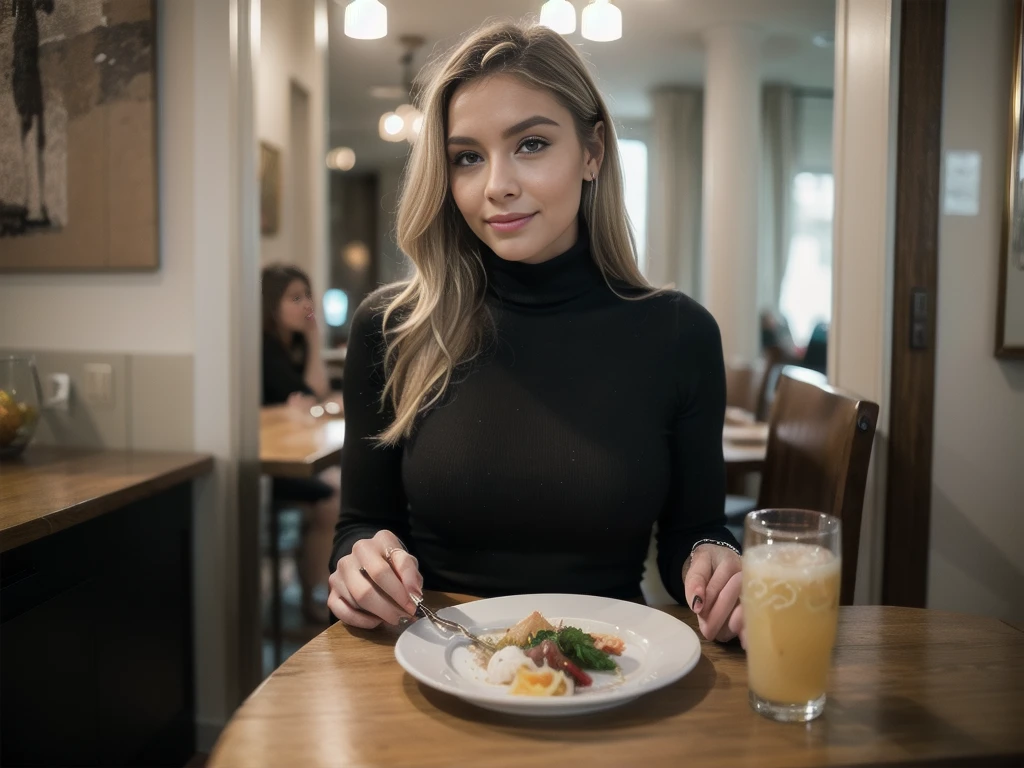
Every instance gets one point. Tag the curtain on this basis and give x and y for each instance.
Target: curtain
(675, 157)
(778, 132)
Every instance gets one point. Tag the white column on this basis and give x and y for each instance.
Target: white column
(732, 159)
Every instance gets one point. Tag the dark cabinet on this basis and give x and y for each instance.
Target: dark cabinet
(96, 658)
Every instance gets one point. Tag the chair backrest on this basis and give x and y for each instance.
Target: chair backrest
(819, 446)
(738, 382)
(747, 386)
(763, 381)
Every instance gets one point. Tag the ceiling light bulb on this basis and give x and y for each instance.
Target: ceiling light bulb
(366, 20)
(559, 15)
(394, 124)
(602, 21)
(390, 127)
(341, 159)
(408, 113)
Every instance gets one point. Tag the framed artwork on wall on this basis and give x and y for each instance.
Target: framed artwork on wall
(270, 189)
(1010, 303)
(78, 190)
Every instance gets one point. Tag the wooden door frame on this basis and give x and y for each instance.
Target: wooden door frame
(915, 281)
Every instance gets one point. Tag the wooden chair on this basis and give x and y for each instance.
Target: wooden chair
(749, 386)
(819, 446)
(738, 385)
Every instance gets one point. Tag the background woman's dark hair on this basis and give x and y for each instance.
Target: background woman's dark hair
(275, 281)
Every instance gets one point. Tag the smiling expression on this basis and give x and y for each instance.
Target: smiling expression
(517, 167)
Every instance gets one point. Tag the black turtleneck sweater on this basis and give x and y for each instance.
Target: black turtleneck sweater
(588, 419)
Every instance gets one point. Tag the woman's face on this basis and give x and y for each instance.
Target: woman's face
(517, 167)
(295, 312)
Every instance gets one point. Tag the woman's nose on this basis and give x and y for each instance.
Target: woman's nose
(501, 182)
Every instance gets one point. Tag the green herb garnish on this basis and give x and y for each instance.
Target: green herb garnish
(578, 647)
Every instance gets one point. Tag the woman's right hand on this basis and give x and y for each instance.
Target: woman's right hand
(373, 583)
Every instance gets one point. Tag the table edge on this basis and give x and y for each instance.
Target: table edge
(54, 520)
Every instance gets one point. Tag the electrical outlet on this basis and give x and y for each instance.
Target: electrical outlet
(99, 384)
(57, 396)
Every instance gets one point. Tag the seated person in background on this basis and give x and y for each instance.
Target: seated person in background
(294, 373)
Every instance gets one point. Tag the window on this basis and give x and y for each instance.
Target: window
(633, 155)
(806, 298)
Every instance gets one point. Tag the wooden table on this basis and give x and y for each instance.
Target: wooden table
(743, 457)
(294, 444)
(909, 686)
(48, 489)
(96, 636)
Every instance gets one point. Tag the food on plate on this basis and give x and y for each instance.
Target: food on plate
(520, 634)
(536, 658)
(541, 682)
(503, 665)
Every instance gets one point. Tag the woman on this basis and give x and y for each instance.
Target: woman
(294, 374)
(524, 410)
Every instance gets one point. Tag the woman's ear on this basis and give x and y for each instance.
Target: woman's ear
(593, 154)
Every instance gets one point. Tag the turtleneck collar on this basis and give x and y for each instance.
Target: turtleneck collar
(554, 282)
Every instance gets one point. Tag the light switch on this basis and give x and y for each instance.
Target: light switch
(99, 384)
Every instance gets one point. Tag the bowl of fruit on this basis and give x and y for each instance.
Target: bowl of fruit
(19, 404)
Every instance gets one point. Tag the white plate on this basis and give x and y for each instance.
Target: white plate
(660, 649)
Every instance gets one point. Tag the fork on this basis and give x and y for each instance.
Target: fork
(451, 626)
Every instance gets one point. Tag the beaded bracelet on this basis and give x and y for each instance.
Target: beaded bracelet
(717, 543)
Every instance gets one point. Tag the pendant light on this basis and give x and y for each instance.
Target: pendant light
(559, 15)
(366, 20)
(602, 21)
(405, 122)
(391, 127)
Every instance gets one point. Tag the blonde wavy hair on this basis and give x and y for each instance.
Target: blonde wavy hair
(438, 320)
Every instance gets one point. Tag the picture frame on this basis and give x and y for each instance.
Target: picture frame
(78, 136)
(1010, 300)
(270, 189)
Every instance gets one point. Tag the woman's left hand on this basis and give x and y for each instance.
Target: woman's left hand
(712, 579)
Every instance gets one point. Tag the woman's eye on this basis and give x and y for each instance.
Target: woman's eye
(466, 158)
(532, 146)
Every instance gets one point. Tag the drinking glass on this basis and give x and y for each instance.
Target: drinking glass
(791, 569)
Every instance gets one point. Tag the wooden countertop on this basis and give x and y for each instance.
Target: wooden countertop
(48, 489)
(908, 686)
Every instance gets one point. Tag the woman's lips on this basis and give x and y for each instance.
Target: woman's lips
(514, 224)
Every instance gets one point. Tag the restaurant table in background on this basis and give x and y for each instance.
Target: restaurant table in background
(292, 444)
(295, 444)
(909, 686)
(743, 456)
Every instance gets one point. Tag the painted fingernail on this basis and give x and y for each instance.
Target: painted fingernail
(697, 603)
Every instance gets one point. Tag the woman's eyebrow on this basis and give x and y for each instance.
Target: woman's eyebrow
(508, 133)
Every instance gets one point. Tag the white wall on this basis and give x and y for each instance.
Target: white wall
(289, 53)
(151, 312)
(977, 535)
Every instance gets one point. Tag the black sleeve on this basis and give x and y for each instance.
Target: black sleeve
(695, 508)
(372, 497)
(280, 378)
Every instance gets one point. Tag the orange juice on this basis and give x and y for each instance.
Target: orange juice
(790, 609)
